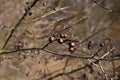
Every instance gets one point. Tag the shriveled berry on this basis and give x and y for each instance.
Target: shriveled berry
(51, 39)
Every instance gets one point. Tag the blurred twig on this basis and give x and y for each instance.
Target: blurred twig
(109, 10)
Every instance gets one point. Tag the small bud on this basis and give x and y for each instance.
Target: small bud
(51, 39)
(30, 13)
(26, 9)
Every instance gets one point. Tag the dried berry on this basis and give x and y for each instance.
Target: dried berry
(63, 35)
(71, 49)
(44, 4)
(71, 44)
(60, 40)
(54, 9)
(51, 39)
(101, 45)
(18, 45)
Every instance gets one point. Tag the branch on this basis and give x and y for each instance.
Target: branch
(19, 22)
(72, 71)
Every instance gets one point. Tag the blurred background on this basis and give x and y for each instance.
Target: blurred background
(48, 16)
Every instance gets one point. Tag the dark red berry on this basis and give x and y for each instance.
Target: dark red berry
(51, 39)
(44, 4)
(71, 44)
(60, 40)
(71, 49)
(63, 35)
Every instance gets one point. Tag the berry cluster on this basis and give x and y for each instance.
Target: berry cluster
(63, 38)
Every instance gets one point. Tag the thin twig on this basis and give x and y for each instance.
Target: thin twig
(72, 71)
(104, 72)
(19, 22)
